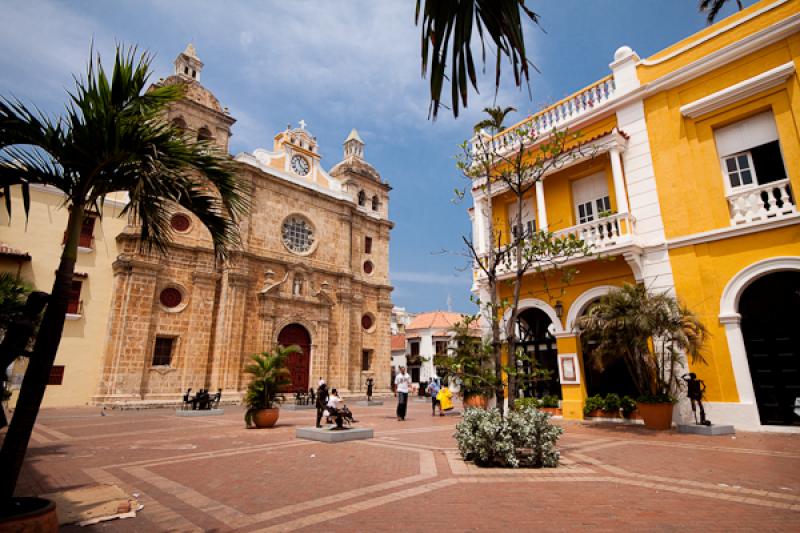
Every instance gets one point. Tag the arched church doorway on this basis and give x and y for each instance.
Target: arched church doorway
(299, 363)
(615, 376)
(536, 340)
(770, 310)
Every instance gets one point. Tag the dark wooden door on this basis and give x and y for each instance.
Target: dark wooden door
(770, 309)
(540, 346)
(299, 363)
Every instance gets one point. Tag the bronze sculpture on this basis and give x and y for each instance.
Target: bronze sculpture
(694, 390)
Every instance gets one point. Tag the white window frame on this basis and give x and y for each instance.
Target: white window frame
(726, 175)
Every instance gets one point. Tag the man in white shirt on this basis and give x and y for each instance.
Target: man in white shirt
(403, 382)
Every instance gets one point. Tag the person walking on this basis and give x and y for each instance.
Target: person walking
(322, 402)
(370, 383)
(403, 383)
(433, 390)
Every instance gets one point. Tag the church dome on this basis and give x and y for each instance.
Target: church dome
(195, 92)
(355, 165)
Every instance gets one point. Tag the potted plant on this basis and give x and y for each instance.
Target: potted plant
(550, 404)
(650, 332)
(263, 395)
(593, 407)
(612, 403)
(628, 406)
(469, 363)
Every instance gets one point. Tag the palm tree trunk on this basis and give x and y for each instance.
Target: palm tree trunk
(37, 375)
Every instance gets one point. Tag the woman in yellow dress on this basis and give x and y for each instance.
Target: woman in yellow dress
(445, 399)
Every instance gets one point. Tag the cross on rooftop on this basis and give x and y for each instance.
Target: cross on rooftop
(302, 124)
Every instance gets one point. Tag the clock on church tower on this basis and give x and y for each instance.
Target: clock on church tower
(302, 153)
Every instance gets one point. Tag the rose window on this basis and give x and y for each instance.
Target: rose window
(298, 235)
(170, 297)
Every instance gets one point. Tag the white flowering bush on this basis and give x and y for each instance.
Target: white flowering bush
(524, 438)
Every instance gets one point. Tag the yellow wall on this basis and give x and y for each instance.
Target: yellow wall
(82, 343)
(701, 272)
(690, 183)
(649, 73)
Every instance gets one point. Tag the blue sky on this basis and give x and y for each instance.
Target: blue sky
(339, 65)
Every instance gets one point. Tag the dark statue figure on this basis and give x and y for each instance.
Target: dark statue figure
(202, 401)
(694, 390)
(18, 334)
(370, 383)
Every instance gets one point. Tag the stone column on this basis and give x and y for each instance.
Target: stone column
(197, 347)
(541, 209)
(227, 355)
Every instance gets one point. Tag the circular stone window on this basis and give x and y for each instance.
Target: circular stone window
(171, 298)
(368, 267)
(298, 234)
(367, 322)
(180, 222)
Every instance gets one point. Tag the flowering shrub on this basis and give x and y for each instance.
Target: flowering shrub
(524, 438)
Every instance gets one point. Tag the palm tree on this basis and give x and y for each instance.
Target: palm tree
(270, 376)
(649, 332)
(496, 21)
(494, 123)
(112, 139)
(713, 7)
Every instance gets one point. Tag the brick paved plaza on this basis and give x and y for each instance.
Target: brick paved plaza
(212, 474)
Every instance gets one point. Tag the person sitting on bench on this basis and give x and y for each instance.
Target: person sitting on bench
(338, 410)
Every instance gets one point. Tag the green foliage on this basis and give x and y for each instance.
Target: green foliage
(447, 37)
(524, 403)
(612, 402)
(469, 361)
(593, 403)
(649, 332)
(549, 401)
(714, 6)
(628, 406)
(13, 293)
(525, 437)
(270, 375)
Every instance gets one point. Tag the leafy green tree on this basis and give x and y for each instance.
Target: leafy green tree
(650, 332)
(270, 376)
(112, 139)
(713, 8)
(13, 293)
(447, 33)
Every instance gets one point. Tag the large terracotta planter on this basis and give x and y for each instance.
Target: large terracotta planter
(35, 515)
(476, 400)
(552, 411)
(266, 418)
(656, 415)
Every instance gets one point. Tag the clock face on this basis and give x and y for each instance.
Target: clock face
(300, 165)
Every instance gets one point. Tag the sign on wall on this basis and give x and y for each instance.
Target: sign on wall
(568, 369)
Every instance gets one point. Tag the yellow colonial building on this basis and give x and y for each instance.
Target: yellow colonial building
(687, 185)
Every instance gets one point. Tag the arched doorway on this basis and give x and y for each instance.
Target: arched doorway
(539, 343)
(299, 363)
(770, 310)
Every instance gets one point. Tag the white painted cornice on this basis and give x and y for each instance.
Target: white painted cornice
(743, 89)
(720, 31)
(733, 231)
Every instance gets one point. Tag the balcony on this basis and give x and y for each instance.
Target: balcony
(614, 234)
(554, 117)
(765, 202)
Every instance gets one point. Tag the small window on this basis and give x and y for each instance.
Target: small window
(180, 223)
(740, 169)
(368, 267)
(186, 70)
(86, 238)
(750, 152)
(367, 322)
(362, 198)
(375, 203)
(441, 347)
(194, 73)
(366, 355)
(414, 347)
(162, 353)
(56, 375)
(530, 229)
(367, 245)
(204, 134)
(170, 297)
(74, 304)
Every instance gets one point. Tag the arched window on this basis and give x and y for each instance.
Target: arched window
(179, 123)
(204, 134)
(362, 198)
(375, 203)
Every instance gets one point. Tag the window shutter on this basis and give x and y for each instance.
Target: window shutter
(745, 134)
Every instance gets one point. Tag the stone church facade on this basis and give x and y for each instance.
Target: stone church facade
(312, 270)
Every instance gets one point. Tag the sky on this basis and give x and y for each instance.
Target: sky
(339, 65)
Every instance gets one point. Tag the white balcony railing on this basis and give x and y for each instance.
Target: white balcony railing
(554, 116)
(604, 232)
(768, 201)
(601, 235)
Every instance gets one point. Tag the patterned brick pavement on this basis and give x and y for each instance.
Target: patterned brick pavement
(213, 474)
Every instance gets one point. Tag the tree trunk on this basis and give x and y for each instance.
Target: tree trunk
(37, 375)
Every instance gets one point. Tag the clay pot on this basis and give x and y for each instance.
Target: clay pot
(476, 400)
(656, 415)
(553, 411)
(30, 515)
(594, 413)
(266, 418)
